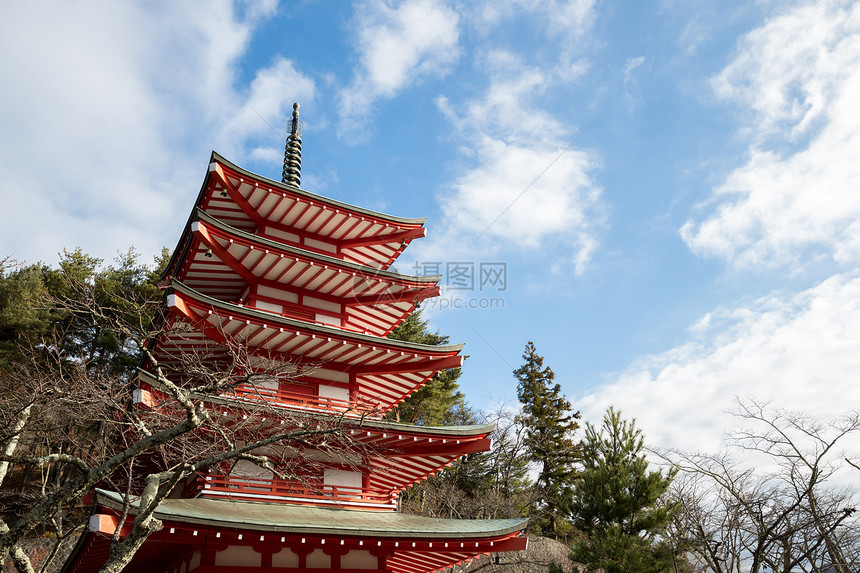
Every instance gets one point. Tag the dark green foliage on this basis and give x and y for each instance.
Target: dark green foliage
(439, 402)
(549, 424)
(65, 365)
(20, 316)
(617, 502)
(30, 297)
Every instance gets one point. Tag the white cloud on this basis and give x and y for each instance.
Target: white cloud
(631, 88)
(568, 19)
(507, 110)
(396, 46)
(630, 65)
(109, 113)
(799, 351)
(798, 195)
(265, 105)
(520, 195)
(524, 182)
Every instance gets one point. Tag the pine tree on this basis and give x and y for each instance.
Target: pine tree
(617, 502)
(28, 312)
(550, 424)
(438, 402)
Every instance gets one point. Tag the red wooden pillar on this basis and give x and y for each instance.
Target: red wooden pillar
(335, 553)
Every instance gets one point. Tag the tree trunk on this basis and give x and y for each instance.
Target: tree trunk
(837, 558)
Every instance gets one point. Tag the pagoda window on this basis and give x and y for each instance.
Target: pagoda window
(300, 393)
(297, 314)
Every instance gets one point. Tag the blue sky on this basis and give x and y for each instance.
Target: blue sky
(672, 187)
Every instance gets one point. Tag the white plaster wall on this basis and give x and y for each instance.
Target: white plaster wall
(333, 375)
(334, 392)
(281, 234)
(342, 478)
(277, 294)
(320, 245)
(271, 307)
(321, 304)
(246, 469)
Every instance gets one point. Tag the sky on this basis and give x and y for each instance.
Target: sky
(663, 195)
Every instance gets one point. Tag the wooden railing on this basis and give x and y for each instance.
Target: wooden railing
(278, 396)
(276, 490)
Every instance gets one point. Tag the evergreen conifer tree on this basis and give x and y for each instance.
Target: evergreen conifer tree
(440, 401)
(550, 424)
(617, 505)
(27, 313)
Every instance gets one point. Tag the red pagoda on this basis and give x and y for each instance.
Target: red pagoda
(305, 278)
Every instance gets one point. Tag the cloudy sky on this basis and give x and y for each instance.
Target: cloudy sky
(663, 195)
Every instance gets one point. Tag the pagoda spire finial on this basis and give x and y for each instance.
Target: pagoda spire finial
(292, 174)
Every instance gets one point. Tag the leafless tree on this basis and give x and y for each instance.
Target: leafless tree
(491, 485)
(782, 514)
(8, 262)
(67, 427)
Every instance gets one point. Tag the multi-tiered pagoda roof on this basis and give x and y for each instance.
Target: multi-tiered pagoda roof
(302, 280)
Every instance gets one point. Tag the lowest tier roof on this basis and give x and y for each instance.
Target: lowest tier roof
(410, 543)
(320, 520)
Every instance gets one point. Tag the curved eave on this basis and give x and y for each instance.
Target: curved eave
(383, 371)
(222, 261)
(264, 181)
(265, 207)
(320, 521)
(320, 258)
(322, 331)
(469, 430)
(410, 543)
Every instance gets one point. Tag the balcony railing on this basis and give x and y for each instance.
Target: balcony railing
(281, 397)
(275, 490)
